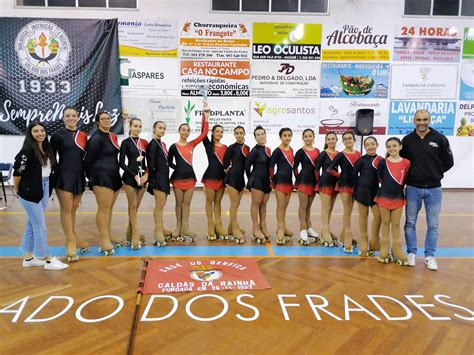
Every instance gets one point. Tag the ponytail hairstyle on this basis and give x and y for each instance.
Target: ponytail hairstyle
(212, 133)
(257, 128)
(285, 129)
(156, 123)
(30, 143)
(395, 139)
(328, 134)
(130, 125)
(181, 125)
(307, 130)
(349, 132)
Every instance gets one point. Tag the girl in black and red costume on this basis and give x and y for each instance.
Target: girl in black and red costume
(392, 173)
(305, 184)
(180, 158)
(158, 180)
(213, 180)
(366, 188)
(257, 169)
(326, 186)
(102, 169)
(282, 181)
(135, 176)
(345, 185)
(70, 144)
(234, 161)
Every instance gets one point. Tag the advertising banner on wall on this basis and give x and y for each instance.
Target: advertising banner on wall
(290, 41)
(411, 82)
(346, 80)
(468, 43)
(465, 119)
(229, 113)
(285, 78)
(340, 115)
(224, 78)
(402, 113)
(427, 43)
(274, 114)
(356, 42)
(466, 88)
(151, 109)
(46, 65)
(148, 38)
(149, 76)
(222, 40)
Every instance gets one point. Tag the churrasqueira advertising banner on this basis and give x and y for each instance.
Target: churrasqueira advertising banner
(402, 113)
(346, 80)
(465, 119)
(468, 44)
(340, 115)
(228, 112)
(356, 42)
(290, 41)
(148, 38)
(411, 82)
(466, 88)
(274, 114)
(203, 40)
(427, 44)
(151, 109)
(285, 78)
(47, 65)
(224, 78)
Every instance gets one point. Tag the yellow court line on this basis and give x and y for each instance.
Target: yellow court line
(270, 250)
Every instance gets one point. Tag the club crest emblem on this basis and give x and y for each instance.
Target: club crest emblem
(205, 273)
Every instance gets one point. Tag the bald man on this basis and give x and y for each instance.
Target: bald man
(430, 156)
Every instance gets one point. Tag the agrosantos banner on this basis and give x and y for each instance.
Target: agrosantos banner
(49, 64)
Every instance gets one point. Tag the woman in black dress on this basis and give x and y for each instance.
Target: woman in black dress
(159, 180)
(234, 162)
(365, 190)
(102, 169)
(257, 168)
(70, 144)
(135, 176)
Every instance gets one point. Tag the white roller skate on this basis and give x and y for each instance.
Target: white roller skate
(304, 240)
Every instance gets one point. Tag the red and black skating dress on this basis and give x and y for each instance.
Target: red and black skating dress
(101, 160)
(306, 178)
(327, 182)
(367, 182)
(392, 177)
(235, 157)
(284, 160)
(134, 150)
(214, 176)
(346, 162)
(183, 176)
(158, 169)
(71, 146)
(257, 168)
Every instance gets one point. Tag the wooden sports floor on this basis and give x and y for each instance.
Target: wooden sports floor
(430, 312)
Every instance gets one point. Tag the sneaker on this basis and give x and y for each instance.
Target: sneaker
(411, 259)
(55, 264)
(33, 262)
(431, 263)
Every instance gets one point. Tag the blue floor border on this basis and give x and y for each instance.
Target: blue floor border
(242, 251)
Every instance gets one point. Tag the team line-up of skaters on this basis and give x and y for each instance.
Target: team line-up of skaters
(375, 183)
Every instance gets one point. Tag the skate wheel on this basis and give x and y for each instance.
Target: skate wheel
(231, 238)
(180, 239)
(210, 237)
(220, 238)
(118, 245)
(281, 241)
(328, 244)
(370, 253)
(84, 251)
(238, 241)
(189, 240)
(72, 258)
(340, 244)
(168, 238)
(128, 243)
(348, 251)
(303, 242)
(136, 247)
(287, 238)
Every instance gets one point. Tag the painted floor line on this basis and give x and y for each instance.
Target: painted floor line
(240, 251)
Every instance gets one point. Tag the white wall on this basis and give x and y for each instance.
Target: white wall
(387, 12)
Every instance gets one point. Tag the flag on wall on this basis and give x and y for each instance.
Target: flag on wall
(46, 65)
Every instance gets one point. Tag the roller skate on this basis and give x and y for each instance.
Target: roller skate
(304, 240)
(348, 245)
(174, 236)
(327, 239)
(399, 257)
(106, 247)
(385, 257)
(71, 254)
(281, 238)
(288, 234)
(83, 246)
(186, 235)
(118, 243)
(211, 233)
(364, 251)
(313, 236)
(265, 232)
(220, 231)
(167, 232)
(72, 258)
(257, 236)
(237, 235)
(374, 243)
(159, 240)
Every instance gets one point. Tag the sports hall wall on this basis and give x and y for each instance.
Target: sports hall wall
(315, 97)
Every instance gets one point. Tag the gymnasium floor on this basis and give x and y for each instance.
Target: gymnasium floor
(298, 275)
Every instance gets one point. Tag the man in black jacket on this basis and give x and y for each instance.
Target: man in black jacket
(430, 156)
